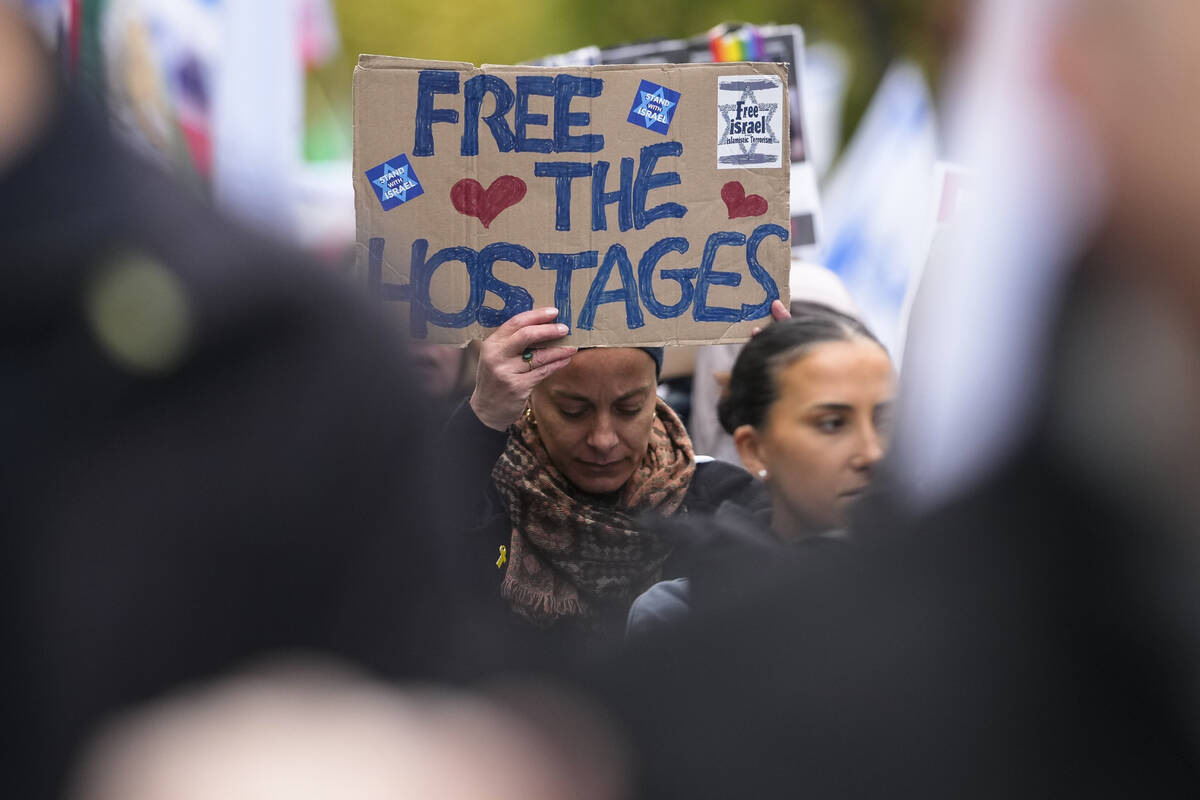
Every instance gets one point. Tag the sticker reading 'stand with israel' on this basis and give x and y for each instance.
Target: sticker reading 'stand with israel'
(654, 107)
(750, 119)
(394, 182)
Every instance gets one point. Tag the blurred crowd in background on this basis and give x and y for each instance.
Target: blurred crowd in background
(931, 532)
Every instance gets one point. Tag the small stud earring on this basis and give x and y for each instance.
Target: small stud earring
(762, 473)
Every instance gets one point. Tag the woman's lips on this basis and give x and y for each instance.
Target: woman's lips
(594, 466)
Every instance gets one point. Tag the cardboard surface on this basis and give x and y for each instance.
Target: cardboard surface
(779, 43)
(648, 203)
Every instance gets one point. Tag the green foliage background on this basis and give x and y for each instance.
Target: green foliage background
(872, 32)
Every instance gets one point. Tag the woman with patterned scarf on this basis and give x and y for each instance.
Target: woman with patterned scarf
(560, 452)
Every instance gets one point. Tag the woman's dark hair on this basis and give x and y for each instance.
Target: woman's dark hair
(752, 384)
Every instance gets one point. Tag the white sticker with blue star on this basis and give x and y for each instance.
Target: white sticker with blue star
(395, 182)
(750, 119)
(654, 107)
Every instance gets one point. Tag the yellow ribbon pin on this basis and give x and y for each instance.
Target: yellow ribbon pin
(503, 559)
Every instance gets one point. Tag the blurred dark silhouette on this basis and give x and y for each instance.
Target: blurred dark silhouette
(445, 375)
(1023, 642)
(211, 451)
(318, 730)
(1035, 633)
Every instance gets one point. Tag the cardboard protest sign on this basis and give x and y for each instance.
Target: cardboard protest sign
(648, 203)
(745, 42)
(725, 43)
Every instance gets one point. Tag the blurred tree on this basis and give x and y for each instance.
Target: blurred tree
(872, 31)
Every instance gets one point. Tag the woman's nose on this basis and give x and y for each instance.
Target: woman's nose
(871, 448)
(603, 435)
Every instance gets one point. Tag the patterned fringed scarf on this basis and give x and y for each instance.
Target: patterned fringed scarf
(572, 555)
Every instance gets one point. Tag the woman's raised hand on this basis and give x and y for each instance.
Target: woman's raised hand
(511, 363)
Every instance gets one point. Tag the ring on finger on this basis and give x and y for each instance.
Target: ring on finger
(527, 357)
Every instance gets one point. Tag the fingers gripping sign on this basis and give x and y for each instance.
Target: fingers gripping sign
(779, 312)
(512, 361)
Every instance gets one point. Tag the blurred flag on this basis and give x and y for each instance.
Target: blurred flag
(157, 59)
(826, 80)
(742, 43)
(319, 36)
(950, 213)
(875, 233)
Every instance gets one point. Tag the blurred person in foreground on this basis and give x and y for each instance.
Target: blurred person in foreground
(809, 407)
(557, 453)
(211, 450)
(445, 376)
(1022, 618)
(305, 729)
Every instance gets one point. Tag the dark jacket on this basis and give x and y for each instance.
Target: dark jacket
(1036, 636)
(719, 556)
(264, 489)
(1014, 644)
(479, 514)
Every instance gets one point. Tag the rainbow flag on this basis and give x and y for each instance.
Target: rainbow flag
(743, 44)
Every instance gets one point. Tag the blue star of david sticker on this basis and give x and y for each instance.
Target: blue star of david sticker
(382, 181)
(395, 182)
(654, 107)
(653, 104)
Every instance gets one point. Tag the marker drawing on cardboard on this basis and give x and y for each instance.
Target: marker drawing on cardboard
(600, 190)
(740, 204)
(471, 199)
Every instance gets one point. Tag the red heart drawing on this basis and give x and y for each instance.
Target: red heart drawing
(471, 199)
(739, 205)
